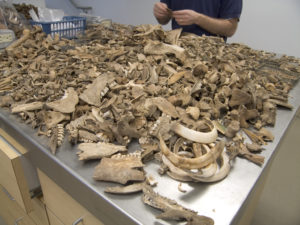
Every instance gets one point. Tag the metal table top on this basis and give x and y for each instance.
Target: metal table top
(221, 201)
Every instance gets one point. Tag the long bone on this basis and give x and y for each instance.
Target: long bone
(16, 43)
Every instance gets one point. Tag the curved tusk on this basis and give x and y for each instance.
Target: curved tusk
(196, 136)
(182, 175)
(192, 163)
(221, 174)
(209, 170)
(179, 173)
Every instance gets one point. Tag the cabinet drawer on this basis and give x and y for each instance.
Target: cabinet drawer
(10, 210)
(53, 220)
(39, 214)
(12, 176)
(62, 205)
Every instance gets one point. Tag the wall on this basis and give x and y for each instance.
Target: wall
(65, 5)
(272, 25)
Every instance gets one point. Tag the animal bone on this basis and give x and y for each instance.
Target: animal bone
(26, 36)
(60, 134)
(232, 129)
(98, 150)
(211, 175)
(254, 137)
(67, 103)
(257, 159)
(27, 107)
(176, 77)
(194, 112)
(165, 106)
(53, 118)
(246, 114)
(92, 95)
(129, 189)
(171, 209)
(120, 168)
(281, 103)
(201, 137)
(254, 147)
(194, 163)
(180, 188)
(239, 97)
(158, 48)
(172, 36)
(266, 134)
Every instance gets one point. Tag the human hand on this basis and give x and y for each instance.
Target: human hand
(185, 17)
(161, 11)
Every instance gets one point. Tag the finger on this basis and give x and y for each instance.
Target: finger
(179, 21)
(179, 12)
(162, 7)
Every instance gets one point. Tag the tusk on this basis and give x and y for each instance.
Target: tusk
(194, 163)
(196, 136)
(182, 175)
(175, 172)
(211, 169)
(222, 173)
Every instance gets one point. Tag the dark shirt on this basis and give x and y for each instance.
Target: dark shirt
(225, 9)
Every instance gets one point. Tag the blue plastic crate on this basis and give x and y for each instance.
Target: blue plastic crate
(70, 27)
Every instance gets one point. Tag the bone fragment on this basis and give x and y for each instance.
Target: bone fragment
(120, 169)
(158, 48)
(171, 209)
(98, 150)
(67, 103)
(129, 189)
(16, 43)
(92, 95)
(27, 107)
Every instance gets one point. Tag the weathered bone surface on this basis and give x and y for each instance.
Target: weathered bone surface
(165, 106)
(94, 92)
(52, 118)
(158, 48)
(120, 168)
(129, 189)
(27, 107)
(98, 150)
(67, 103)
(171, 209)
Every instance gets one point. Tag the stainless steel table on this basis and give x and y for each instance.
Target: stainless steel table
(225, 201)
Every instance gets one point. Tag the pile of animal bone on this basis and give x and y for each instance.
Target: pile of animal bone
(185, 99)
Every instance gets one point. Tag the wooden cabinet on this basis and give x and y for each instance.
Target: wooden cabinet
(55, 207)
(53, 220)
(16, 204)
(11, 211)
(39, 214)
(12, 176)
(61, 207)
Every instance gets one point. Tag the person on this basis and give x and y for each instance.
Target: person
(209, 17)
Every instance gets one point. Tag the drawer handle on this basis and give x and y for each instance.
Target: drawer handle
(17, 220)
(77, 221)
(7, 193)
